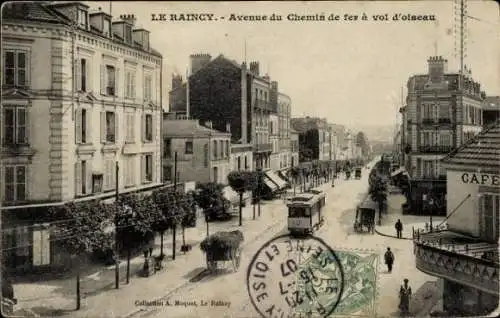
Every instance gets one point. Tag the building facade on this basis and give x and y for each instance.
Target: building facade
(203, 154)
(241, 157)
(314, 140)
(491, 110)
(284, 113)
(443, 111)
(274, 138)
(294, 147)
(464, 255)
(78, 101)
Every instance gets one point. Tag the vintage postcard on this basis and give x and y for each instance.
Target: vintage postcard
(270, 159)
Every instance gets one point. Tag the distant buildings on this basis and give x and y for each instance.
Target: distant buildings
(226, 93)
(203, 154)
(443, 111)
(294, 147)
(314, 138)
(64, 133)
(465, 255)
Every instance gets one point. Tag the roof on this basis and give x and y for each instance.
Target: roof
(46, 12)
(482, 151)
(307, 123)
(183, 128)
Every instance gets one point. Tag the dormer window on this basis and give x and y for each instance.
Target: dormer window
(107, 27)
(128, 34)
(82, 18)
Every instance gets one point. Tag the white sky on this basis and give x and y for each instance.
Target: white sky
(348, 72)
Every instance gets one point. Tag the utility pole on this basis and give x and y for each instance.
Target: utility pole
(117, 252)
(175, 221)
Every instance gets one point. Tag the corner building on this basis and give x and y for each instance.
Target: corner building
(465, 254)
(443, 111)
(77, 101)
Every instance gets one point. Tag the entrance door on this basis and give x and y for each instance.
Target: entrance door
(490, 210)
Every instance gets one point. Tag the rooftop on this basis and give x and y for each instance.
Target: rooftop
(482, 151)
(185, 128)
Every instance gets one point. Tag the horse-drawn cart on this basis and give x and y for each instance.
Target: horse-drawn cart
(223, 249)
(365, 216)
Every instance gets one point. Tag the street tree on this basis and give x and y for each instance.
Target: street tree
(82, 233)
(295, 173)
(241, 182)
(210, 198)
(378, 193)
(134, 221)
(162, 198)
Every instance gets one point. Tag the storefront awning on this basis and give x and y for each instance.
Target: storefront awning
(276, 179)
(271, 185)
(399, 171)
(230, 194)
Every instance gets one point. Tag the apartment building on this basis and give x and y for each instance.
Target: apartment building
(294, 147)
(464, 255)
(203, 153)
(284, 114)
(274, 138)
(222, 91)
(443, 110)
(81, 96)
(314, 138)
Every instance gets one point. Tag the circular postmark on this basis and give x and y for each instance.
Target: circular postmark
(295, 277)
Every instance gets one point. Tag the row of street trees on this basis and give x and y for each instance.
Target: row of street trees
(126, 225)
(377, 188)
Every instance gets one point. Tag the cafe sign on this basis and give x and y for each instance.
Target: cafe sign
(484, 179)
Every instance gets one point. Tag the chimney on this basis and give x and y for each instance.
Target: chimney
(266, 77)
(254, 68)
(198, 61)
(437, 68)
(274, 86)
(176, 81)
(244, 104)
(228, 127)
(208, 124)
(129, 18)
(141, 36)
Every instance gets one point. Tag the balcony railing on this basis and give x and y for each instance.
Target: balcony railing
(263, 147)
(432, 121)
(457, 257)
(435, 149)
(261, 103)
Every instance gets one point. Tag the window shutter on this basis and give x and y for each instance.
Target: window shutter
(88, 125)
(133, 85)
(143, 127)
(144, 87)
(78, 178)
(153, 127)
(103, 80)
(143, 168)
(27, 125)
(78, 75)
(131, 164)
(117, 80)
(132, 126)
(103, 126)
(78, 126)
(117, 127)
(112, 168)
(88, 74)
(89, 175)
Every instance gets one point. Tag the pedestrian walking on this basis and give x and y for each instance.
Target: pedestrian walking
(399, 229)
(404, 297)
(389, 259)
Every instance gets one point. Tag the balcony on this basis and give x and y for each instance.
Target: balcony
(434, 121)
(261, 103)
(435, 149)
(263, 147)
(458, 258)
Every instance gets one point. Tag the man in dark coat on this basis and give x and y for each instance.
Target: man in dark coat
(399, 229)
(404, 297)
(389, 259)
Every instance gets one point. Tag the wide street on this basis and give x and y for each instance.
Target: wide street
(337, 231)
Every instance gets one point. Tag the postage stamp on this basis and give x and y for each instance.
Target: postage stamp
(305, 277)
(290, 277)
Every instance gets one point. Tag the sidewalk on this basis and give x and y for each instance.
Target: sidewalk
(50, 299)
(394, 212)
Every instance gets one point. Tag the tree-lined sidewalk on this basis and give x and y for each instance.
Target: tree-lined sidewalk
(120, 302)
